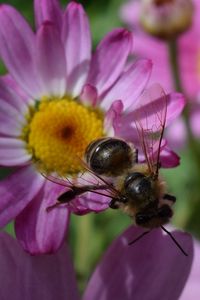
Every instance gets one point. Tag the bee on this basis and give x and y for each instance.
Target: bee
(133, 186)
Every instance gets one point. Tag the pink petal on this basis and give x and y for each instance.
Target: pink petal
(112, 120)
(17, 44)
(77, 42)
(89, 202)
(130, 84)
(130, 12)
(177, 133)
(175, 105)
(11, 120)
(152, 104)
(109, 59)
(195, 121)
(168, 158)
(192, 288)
(13, 152)
(27, 277)
(11, 93)
(89, 95)
(44, 231)
(50, 58)
(16, 191)
(48, 10)
(142, 270)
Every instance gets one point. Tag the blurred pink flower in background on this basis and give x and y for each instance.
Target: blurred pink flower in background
(153, 268)
(188, 50)
(57, 98)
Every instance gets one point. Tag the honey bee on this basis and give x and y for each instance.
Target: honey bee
(133, 186)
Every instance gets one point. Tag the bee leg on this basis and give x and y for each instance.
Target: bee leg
(113, 204)
(169, 197)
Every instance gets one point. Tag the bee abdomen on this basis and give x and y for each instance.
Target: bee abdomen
(110, 156)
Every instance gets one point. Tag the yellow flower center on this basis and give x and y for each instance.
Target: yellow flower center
(59, 132)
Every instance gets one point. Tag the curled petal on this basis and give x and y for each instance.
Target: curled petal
(50, 59)
(168, 158)
(148, 263)
(17, 49)
(112, 121)
(16, 191)
(109, 59)
(45, 230)
(77, 42)
(47, 277)
(48, 10)
(89, 95)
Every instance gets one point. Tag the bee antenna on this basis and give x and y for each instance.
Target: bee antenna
(174, 240)
(139, 237)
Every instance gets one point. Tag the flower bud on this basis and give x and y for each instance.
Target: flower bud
(166, 18)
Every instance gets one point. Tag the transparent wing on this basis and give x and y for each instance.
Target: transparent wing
(150, 119)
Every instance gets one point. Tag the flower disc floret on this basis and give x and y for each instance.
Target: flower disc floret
(59, 132)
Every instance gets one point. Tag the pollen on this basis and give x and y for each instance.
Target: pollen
(59, 132)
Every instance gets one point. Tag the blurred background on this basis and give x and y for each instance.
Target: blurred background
(99, 230)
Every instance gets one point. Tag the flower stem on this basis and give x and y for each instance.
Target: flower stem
(173, 56)
(83, 249)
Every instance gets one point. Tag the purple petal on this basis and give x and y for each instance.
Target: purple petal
(50, 58)
(27, 277)
(17, 42)
(16, 191)
(177, 133)
(89, 95)
(89, 201)
(168, 158)
(112, 120)
(44, 231)
(130, 84)
(10, 92)
(48, 10)
(12, 109)
(192, 287)
(130, 12)
(143, 270)
(109, 59)
(13, 152)
(151, 106)
(11, 120)
(175, 105)
(77, 41)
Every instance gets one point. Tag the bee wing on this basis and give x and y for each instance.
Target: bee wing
(150, 119)
(66, 182)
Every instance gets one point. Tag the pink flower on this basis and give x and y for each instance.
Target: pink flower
(152, 268)
(156, 49)
(57, 98)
